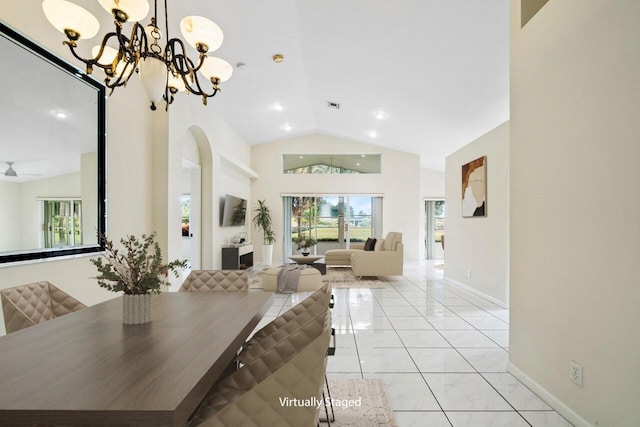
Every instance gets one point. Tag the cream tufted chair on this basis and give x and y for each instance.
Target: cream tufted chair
(292, 368)
(28, 305)
(286, 324)
(216, 280)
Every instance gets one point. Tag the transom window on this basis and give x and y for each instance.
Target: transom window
(331, 163)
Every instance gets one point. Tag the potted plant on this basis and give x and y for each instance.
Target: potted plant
(262, 221)
(138, 271)
(305, 243)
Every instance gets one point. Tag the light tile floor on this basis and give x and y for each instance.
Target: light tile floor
(441, 351)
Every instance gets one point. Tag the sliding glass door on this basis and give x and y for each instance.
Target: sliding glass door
(434, 233)
(334, 221)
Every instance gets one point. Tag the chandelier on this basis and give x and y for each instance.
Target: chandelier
(165, 69)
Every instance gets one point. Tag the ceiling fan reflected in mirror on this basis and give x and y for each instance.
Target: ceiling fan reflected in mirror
(12, 172)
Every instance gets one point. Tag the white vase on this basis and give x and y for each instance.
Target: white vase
(267, 255)
(136, 309)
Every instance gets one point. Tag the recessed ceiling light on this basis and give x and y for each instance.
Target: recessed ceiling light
(278, 58)
(357, 164)
(287, 126)
(302, 157)
(278, 107)
(60, 115)
(381, 115)
(362, 155)
(373, 134)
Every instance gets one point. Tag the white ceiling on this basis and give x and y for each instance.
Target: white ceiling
(439, 69)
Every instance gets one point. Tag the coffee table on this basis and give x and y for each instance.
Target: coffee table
(311, 261)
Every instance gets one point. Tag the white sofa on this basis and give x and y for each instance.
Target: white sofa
(385, 260)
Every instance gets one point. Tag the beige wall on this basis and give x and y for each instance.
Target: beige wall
(575, 198)
(480, 245)
(399, 182)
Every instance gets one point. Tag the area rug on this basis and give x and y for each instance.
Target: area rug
(360, 403)
(338, 277)
(343, 277)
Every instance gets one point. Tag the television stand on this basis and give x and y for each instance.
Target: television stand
(237, 257)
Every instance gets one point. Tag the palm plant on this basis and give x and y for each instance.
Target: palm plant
(262, 221)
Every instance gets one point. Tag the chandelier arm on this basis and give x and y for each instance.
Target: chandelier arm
(88, 62)
(107, 68)
(138, 44)
(121, 80)
(178, 63)
(171, 46)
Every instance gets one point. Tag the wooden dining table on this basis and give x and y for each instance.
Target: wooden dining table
(87, 368)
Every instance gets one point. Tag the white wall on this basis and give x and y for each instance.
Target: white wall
(399, 182)
(575, 198)
(10, 216)
(480, 244)
(431, 183)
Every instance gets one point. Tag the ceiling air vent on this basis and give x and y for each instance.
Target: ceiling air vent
(333, 105)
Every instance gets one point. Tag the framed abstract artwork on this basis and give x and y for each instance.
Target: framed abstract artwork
(474, 188)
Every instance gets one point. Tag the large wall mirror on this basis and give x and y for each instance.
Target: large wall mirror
(52, 154)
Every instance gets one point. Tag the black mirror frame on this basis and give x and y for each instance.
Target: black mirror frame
(101, 93)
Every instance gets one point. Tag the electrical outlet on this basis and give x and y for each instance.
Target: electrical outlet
(469, 273)
(575, 372)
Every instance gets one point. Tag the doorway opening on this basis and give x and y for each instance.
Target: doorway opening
(190, 208)
(434, 211)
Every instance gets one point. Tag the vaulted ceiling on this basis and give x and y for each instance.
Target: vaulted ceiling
(421, 76)
(435, 71)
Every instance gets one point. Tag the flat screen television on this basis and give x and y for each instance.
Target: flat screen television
(234, 212)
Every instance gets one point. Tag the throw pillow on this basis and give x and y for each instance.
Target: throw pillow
(379, 246)
(369, 244)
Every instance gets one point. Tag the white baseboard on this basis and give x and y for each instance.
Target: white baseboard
(477, 292)
(549, 398)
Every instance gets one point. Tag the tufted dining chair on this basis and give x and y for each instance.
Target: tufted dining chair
(284, 325)
(216, 280)
(252, 396)
(35, 303)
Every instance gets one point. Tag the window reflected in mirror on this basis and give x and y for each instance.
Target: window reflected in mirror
(331, 163)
